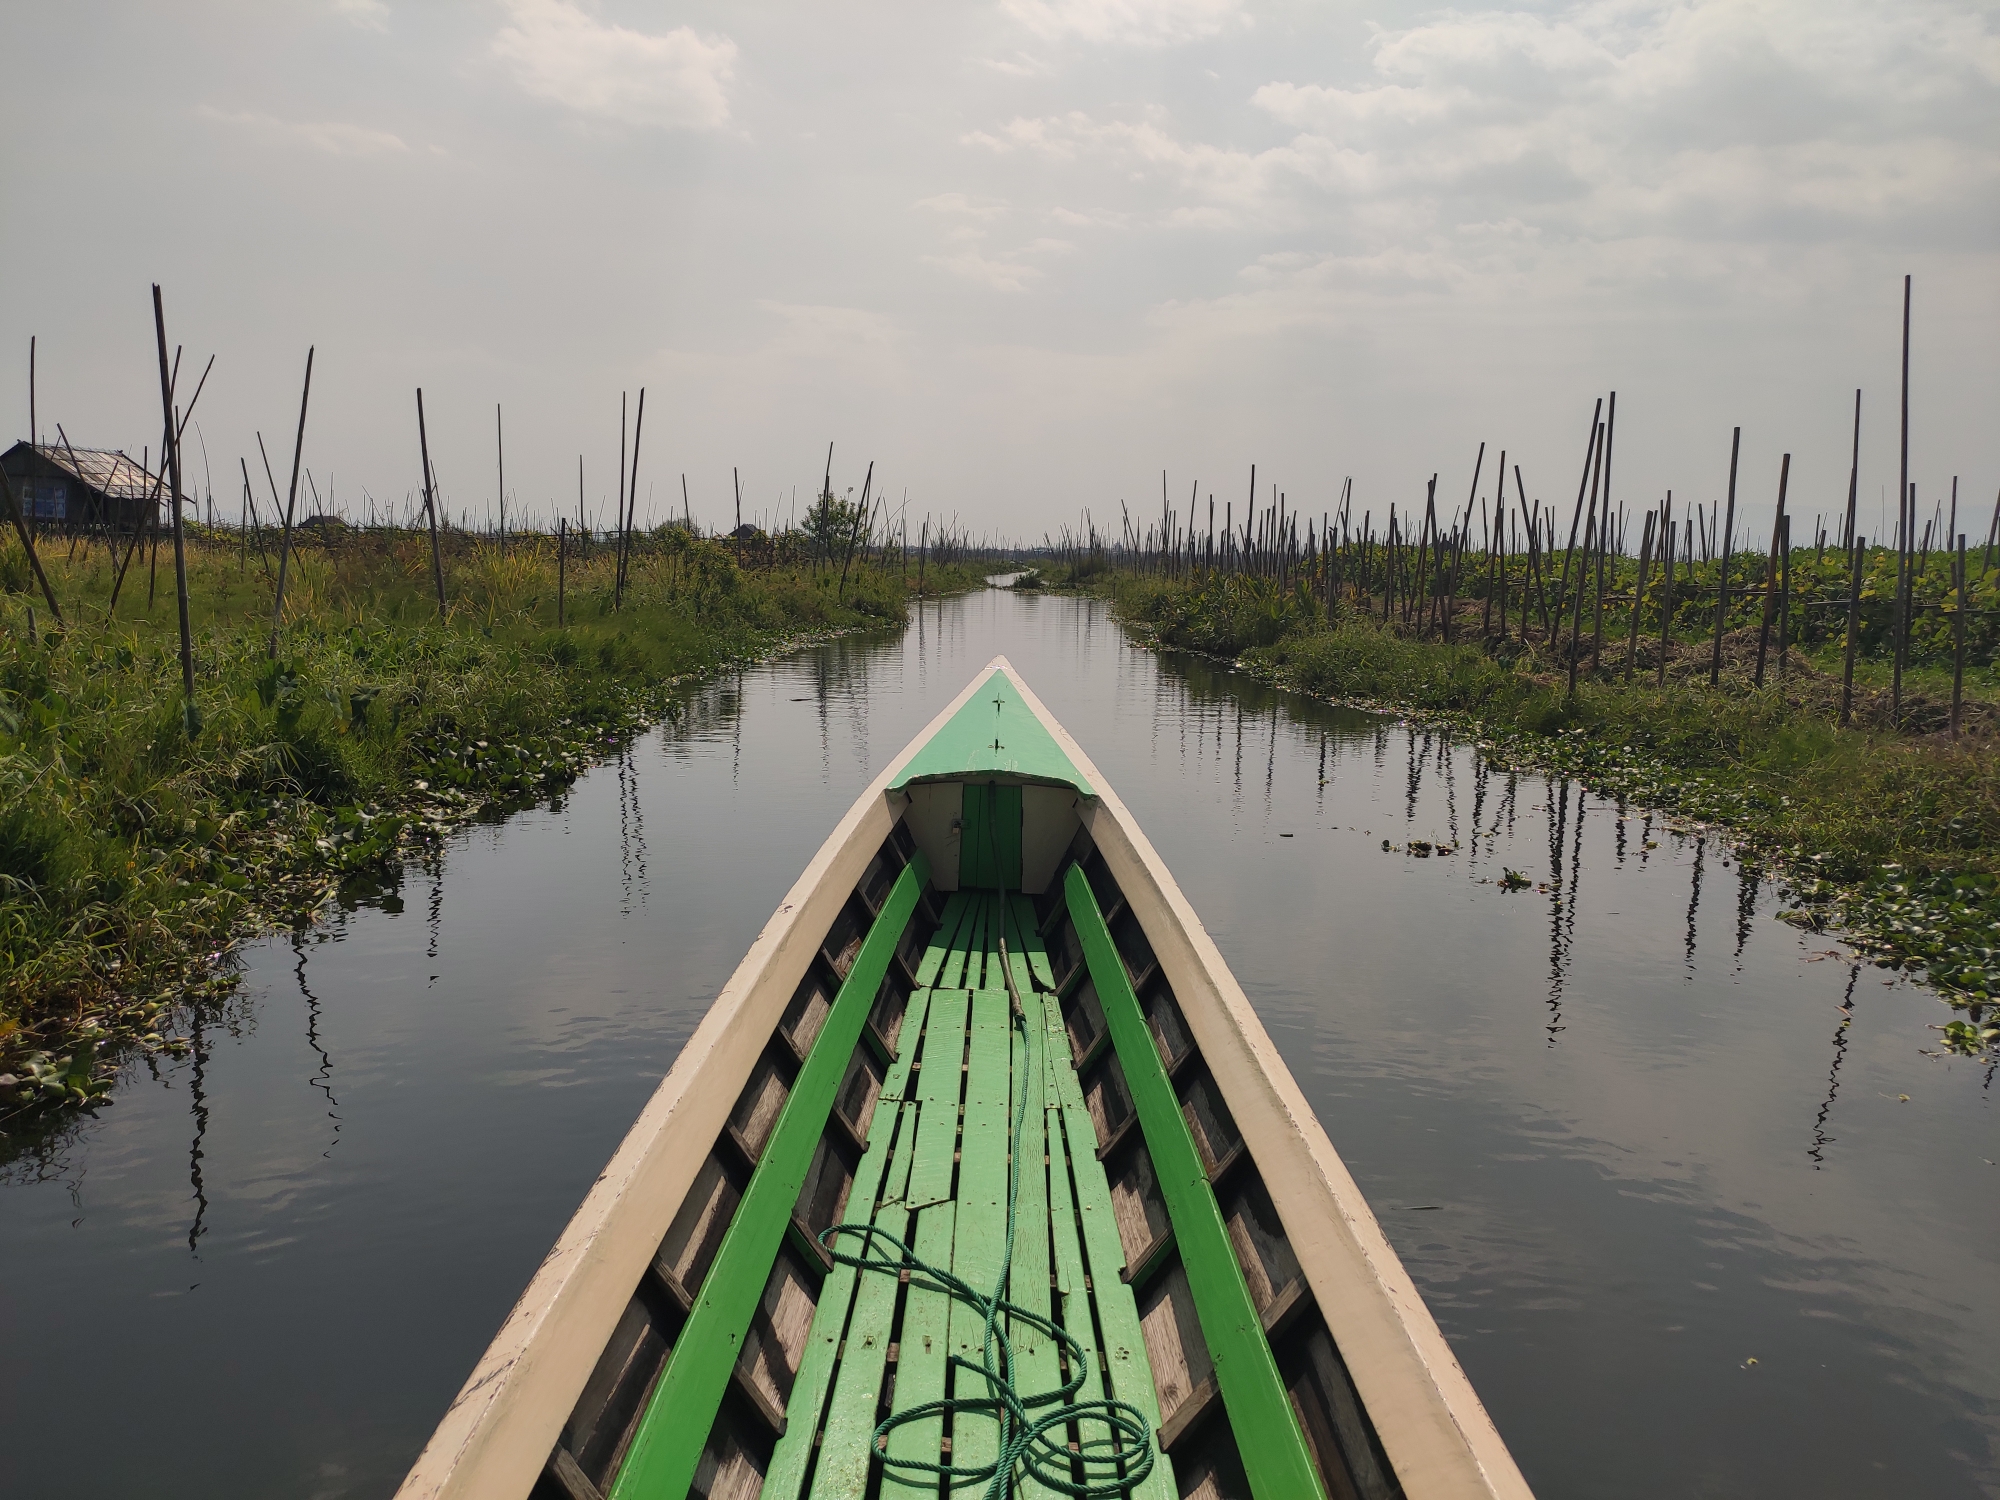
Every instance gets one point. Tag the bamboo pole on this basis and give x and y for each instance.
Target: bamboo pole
(1576, 513)
(34, 558)
(1771, 569)
(618, 567)
(1667, 586)
(1639, 593)
(1859, 550)
(188, 716)
(1785, 603)
(1604, 533)
(430, 504)
(1904, 505)
(1722, 581)
(1958, 639)
(562, 568)
(1854, 474)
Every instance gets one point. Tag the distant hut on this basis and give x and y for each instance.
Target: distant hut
(70, 488)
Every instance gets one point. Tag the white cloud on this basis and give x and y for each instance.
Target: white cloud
(1126, 22)
(559, 51)
(1711, 122)
(963, 204)
(371, 15)
(334, 137)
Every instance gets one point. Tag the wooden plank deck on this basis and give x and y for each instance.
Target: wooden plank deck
(937, 1176)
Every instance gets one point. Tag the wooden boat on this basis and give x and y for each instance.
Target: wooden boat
(981, 1165)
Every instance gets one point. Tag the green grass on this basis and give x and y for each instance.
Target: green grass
(1892, 836)
(133, 854)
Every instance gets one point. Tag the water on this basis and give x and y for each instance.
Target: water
(1621, 1130)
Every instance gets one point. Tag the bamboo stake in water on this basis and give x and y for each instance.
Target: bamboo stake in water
(562, 567)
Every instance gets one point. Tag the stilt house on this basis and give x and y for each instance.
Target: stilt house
(61, 486)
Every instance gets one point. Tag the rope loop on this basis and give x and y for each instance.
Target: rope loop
(1096, 1468)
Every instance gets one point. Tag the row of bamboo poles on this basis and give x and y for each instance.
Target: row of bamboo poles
(1414, 571)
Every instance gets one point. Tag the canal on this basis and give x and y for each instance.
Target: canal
(1694, 1197)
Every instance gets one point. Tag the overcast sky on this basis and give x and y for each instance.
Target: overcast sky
(1022, 255)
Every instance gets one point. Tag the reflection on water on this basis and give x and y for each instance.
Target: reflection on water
(1624, 1145)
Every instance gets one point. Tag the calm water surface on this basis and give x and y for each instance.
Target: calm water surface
(1629, 1132)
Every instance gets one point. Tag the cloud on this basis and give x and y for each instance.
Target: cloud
(963, 204)
(560, 52)
(1124, 22)
(371, 15)
(334, 137)
(1709, 123)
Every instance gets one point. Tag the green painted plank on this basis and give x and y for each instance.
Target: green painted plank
(1029, 960)
(938, 1082)
(940, 944)
(850, 1415)
(920, 1365)
(989, 848)
(994, 732)
(1036, 1367)
(920, 1369)
(667, 1447)
(952, 975)
(1129, 1375)
(980, 1240)
(1275, 1457)
(816, 1364)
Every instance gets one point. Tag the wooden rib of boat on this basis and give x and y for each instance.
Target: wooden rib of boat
(985, 1017)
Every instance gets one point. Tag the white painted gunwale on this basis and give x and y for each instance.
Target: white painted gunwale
(498, 1431)
(1436, 1432)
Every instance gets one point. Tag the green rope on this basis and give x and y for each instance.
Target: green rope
(1038, 1444)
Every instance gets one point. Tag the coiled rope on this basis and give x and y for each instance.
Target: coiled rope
(1033, 1429)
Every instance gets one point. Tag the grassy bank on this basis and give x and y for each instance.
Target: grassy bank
(133, 852)
(1891, 835)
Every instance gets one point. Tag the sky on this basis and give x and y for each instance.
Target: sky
(1021, 255)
